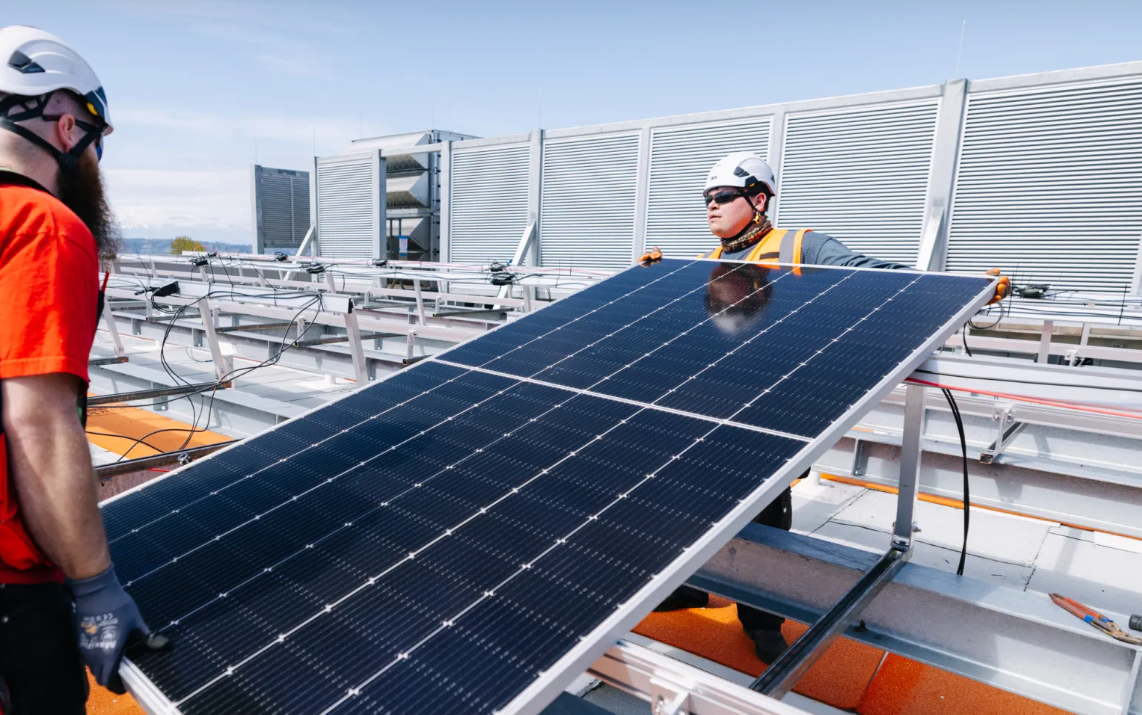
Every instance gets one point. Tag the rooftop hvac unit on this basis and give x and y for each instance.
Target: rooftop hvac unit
(281, 208)
(408, 192)
(349, 197)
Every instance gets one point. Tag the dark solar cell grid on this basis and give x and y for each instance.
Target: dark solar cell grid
(435, 542)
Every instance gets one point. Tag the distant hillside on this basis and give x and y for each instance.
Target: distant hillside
(161, 246)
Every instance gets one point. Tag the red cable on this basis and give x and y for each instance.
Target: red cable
(1021, 398)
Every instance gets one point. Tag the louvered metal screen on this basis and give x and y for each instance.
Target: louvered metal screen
(680, 159)
(860, 176)
(1049, 186)
(489, 202)
(346, 220)
(588, 201)
(282, 204)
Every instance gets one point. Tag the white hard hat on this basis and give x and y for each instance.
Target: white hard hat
(35, 63)
(743, 169)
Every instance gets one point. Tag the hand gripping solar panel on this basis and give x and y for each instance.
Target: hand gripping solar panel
(470, 534)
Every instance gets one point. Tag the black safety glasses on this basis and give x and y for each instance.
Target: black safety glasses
(723, 196)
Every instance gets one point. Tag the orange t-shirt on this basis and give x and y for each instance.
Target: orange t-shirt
(49, 287)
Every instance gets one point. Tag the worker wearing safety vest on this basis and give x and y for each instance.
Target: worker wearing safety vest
(737, 194)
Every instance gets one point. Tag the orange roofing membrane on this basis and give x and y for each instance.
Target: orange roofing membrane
(116, 427)
(850, 676)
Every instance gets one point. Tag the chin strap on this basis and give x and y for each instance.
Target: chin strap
(69, 160)
(754, 231)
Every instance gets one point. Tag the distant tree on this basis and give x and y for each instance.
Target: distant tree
(185, 243)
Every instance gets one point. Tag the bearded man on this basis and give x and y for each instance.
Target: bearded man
(61, 605)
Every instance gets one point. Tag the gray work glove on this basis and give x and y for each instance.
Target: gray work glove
(106, 618)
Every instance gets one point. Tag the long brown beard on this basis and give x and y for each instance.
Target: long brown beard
(82, 192)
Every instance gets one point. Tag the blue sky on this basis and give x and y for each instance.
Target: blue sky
(197, 88)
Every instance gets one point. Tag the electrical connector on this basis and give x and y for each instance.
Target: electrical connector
(1032, 291)
(279, 256)
(199, 261)
(315, 268)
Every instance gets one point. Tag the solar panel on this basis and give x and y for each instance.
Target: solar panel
(466, 535)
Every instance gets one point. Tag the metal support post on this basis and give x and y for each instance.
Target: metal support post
(419, 300)
(410, 343)
(356, 348)
(222, 364)
(1045, 341)
(329, 281)
(109, 322)
(910, 451)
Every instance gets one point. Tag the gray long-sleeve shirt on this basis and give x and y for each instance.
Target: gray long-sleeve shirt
(823, 250)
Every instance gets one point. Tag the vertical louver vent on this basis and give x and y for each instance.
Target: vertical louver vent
(860, 176)
(1049, 185)
(489, 202)
(680, 159)
(345, 200)
(588, 198)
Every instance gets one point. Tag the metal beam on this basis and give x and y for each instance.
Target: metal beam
(676, 688)
(107, 471)
(97, 400)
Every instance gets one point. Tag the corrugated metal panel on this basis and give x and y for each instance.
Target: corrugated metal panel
(1049, 184)
(345, 201)
(489, 202)
(680, 159)
(586, 216)
(860, 176)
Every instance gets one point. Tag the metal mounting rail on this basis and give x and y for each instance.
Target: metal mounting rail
(784, 673)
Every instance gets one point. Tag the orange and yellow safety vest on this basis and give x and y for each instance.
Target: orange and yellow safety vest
(778, 246)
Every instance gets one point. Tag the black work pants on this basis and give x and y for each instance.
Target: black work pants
(39, 654)
(778, 514)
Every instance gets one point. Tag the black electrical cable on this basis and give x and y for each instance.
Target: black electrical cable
(121, 436)
(213, 389)
(966, 348)
(967, 494)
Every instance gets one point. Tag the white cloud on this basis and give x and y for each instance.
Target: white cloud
(157, 201)
(339, 130)
(290, 65)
